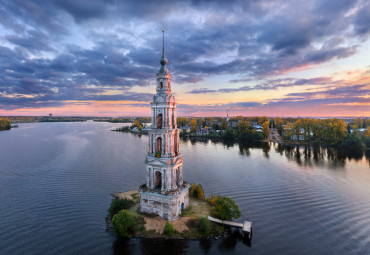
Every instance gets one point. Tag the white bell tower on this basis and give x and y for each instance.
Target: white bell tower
(164, 192)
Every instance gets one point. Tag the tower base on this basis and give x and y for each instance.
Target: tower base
(168, 207)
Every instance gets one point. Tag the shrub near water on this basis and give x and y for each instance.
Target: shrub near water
(123, 224)
(169, 229)
(118, 205)
(205, 226)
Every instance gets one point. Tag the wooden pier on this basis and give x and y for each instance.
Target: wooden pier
(246, 227)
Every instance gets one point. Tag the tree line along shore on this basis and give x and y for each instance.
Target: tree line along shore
(350, 133)
(346, 132)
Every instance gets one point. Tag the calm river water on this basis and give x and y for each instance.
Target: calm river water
(56, 180)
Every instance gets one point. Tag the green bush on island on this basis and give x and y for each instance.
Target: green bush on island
(205, 226)
(212, 199)
(123, 224)
(169, 229)
(118, 205)
(225, 208)
(201, 228)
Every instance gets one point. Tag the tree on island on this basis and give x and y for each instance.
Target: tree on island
(226, 209)
(123, 224)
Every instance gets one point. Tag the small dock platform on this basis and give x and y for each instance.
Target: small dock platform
(246, 226)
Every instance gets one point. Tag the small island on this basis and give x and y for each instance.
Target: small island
(127, 221)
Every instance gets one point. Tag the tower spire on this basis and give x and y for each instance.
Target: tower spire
(164, 60)
(163, 42)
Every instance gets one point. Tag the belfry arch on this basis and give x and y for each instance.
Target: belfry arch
(175, 145)
(159, 145)
(159, 120)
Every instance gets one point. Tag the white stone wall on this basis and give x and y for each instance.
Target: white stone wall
(166, 206)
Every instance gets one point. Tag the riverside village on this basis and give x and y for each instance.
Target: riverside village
(166, 205)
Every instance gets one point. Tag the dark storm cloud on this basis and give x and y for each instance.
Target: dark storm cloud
(45, 57)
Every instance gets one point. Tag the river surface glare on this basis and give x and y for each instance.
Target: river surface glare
(56, 180)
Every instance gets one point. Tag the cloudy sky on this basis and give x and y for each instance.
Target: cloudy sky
(251, 58)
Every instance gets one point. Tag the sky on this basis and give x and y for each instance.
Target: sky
(284, 58)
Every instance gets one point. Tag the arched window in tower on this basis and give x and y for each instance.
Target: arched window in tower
(152, 143)
(175, 145)
(159, 120)
(161, 84)
(173, 118)
(159, 145)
